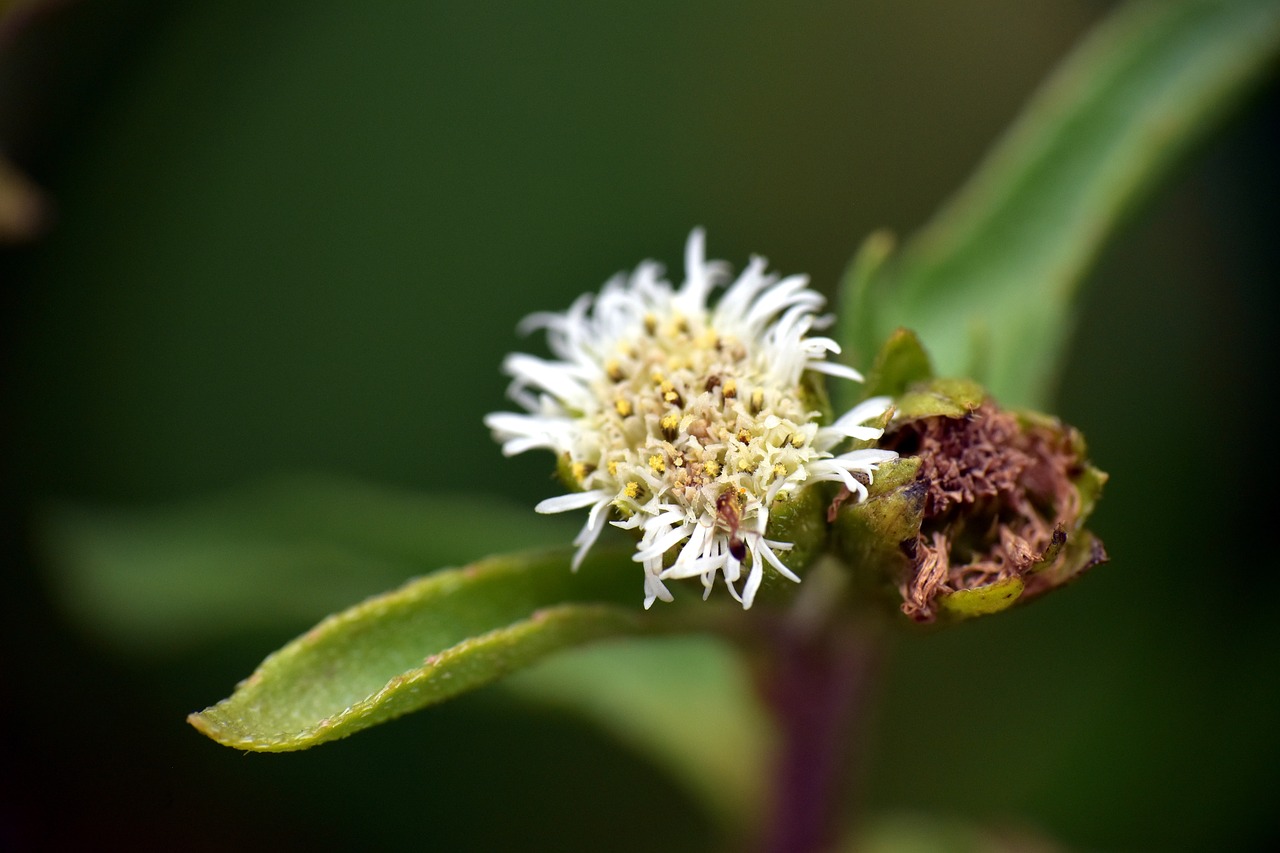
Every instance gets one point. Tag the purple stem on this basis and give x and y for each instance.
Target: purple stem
(815, 686)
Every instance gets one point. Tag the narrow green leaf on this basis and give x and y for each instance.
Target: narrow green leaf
(686, 702)
(989, 283)
(271, 555)
(426, 642)
(918, 832)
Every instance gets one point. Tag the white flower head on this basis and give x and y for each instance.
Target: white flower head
(688, 421)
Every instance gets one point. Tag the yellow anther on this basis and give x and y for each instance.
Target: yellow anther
(712, 467)
(730, 389)
(613, 467)
(757, 401)
(650, 323)
(780, 470)
(670, 426)
(623, 407)
(580, 471)
(631, 489)
(657, 465)
(614, 369)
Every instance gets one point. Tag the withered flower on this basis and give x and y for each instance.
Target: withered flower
(985, 508)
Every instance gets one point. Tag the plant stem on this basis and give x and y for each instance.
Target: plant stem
(816, 685)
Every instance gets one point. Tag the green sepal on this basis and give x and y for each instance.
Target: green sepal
(947, 398)
(801, 520)
(983, 600)
(900, 363)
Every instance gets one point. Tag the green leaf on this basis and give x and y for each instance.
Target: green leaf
(916, 832)
(276, 554)
(989, 284)
(428, 641)
(686, 702)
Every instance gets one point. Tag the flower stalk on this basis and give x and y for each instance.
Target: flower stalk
(817, 688)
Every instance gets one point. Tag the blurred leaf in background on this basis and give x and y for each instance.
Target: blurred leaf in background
(298, 236)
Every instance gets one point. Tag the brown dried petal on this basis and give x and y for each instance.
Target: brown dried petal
(1000, 501)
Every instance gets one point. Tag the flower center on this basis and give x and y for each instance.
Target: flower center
(687, 416)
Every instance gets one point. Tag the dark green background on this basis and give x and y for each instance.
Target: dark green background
(298, 236)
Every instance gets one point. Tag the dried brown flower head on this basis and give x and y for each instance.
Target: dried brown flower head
(999, 500)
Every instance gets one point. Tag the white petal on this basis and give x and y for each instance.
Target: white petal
(832, 368)
(661, 545)
(573, 500)
(590, 532)
(753, 584)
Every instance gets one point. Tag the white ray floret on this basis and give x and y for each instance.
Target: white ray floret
(660, 404)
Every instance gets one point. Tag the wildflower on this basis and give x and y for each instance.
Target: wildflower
(690, 423)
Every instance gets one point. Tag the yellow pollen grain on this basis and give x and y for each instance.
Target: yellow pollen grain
(631, 489)
(657, 465)
(712, 467)
(623, 407)
(670, 423)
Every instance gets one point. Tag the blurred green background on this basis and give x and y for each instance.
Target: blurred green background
(298, 237)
